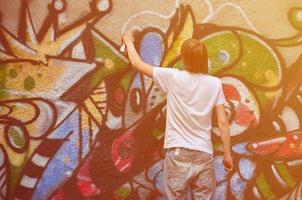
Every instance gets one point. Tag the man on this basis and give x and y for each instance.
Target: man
(191, 96)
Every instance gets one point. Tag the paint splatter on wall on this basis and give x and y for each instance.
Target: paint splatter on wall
(77, 122)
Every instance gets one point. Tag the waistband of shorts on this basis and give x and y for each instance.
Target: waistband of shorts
(182, 149)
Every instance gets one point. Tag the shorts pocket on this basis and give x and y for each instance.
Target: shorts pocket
(203, 158)
(176, 180)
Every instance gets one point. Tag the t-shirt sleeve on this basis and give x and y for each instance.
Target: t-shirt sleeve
(163, 77)
(220, 97)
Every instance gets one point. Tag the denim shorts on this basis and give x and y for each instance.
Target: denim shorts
(188, 174)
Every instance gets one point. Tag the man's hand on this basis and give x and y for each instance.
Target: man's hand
(134, 57)
(228, 162)
(128, 37)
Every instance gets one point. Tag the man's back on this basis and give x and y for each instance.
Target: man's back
(190, 101)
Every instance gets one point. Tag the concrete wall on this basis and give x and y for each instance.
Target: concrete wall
(76, 122)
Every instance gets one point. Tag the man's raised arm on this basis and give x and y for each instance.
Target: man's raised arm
(134, 58)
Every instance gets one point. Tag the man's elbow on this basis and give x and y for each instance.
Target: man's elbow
(136, 64)
(224, 123)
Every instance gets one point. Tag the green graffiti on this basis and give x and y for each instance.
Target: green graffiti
(13, 73)
(29, 83)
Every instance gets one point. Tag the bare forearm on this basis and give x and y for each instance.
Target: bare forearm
(225, 137)
(223, 124)
(133, 55)
(137, 62)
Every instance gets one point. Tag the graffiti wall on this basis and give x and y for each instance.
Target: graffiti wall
(77, 122)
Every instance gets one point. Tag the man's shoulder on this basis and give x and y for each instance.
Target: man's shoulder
(169, 69)
(214, 78)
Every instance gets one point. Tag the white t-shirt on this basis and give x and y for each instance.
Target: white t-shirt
(190, 101)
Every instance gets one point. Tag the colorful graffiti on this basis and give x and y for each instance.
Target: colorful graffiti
(77, 122)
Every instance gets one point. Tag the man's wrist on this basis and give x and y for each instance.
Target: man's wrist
(227, 154)
(128, 43)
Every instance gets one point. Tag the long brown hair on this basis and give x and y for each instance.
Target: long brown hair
(195, 56)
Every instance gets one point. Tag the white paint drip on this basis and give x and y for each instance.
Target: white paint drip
(117, 161)
(279, 179)
(256, 192)
(28, 182)
(272, 141)
(276, 126)
(40, 160)
(123, 168)
(290, 119)
(68, 173)
(294, 163)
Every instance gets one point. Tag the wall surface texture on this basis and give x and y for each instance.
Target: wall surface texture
(77, 122)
